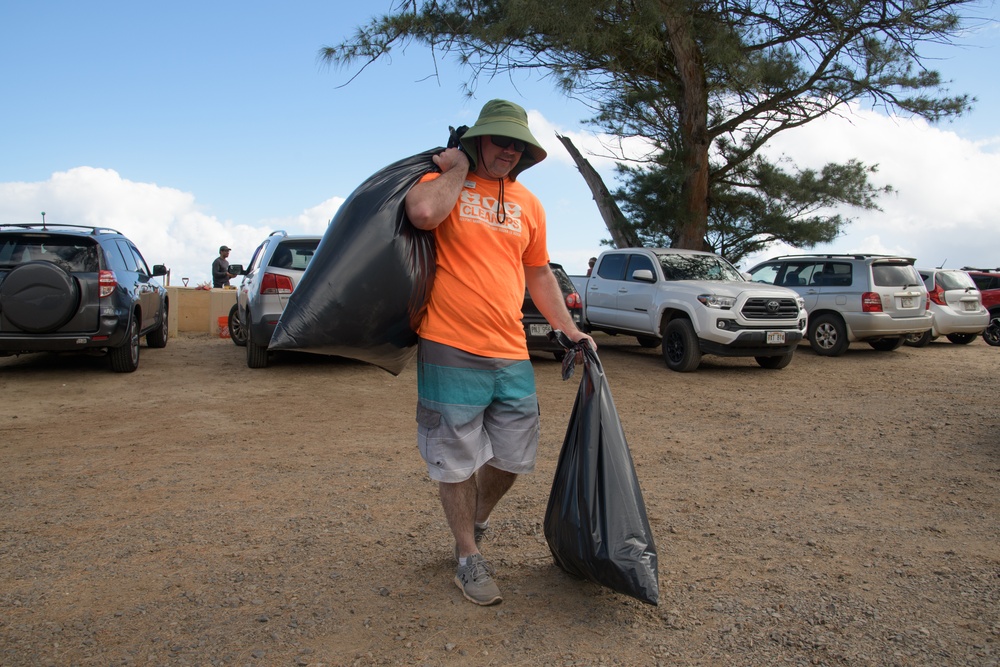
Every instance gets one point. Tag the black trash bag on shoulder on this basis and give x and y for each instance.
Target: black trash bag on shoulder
(364, 292)
(595, 522)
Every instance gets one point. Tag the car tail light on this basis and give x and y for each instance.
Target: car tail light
(937, 296)
(272, 283)
(107, 283)
(573, 301)
(871, 303)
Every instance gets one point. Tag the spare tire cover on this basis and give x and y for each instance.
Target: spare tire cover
(39, 297)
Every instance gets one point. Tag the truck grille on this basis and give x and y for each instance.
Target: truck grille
(770, 309)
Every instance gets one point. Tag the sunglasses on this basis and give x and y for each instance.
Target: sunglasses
(504, 142)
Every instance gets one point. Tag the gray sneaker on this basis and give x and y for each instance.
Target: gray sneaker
(475, 578)
(479, 538)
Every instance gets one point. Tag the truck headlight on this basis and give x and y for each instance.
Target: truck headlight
(716, 301)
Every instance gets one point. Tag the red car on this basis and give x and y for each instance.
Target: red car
(988, 282)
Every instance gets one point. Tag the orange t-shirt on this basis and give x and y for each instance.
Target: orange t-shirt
(475, 302)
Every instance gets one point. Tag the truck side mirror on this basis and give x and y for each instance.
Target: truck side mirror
(643, 276)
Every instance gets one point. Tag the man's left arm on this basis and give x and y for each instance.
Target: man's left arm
(549, 299)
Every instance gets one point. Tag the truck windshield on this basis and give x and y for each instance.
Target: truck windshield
(697, 267)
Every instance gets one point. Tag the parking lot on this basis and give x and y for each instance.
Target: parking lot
(842, 511)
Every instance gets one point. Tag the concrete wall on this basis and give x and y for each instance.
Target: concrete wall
(198, 310)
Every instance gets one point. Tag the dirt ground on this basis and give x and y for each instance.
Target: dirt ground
(837, 512)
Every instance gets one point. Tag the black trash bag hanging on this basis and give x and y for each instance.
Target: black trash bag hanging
(595, 522)
(364, 291)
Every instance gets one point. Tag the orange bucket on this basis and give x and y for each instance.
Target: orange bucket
(223, 326)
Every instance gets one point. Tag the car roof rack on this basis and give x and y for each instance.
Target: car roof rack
(48, 226)
(841, 255)
(972, 268)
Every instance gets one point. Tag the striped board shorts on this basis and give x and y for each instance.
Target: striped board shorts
(473, 411)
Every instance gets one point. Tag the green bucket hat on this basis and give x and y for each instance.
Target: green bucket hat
(504, 119)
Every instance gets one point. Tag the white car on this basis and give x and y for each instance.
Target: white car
(956, 306)
(275, 270)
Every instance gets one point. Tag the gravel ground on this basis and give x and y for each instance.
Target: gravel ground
(837, 512)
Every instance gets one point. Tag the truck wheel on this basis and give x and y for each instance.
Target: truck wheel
(887, 344)
(961, 338)
(775, 363)
(680, 346)
(648, 341)
(828, 335)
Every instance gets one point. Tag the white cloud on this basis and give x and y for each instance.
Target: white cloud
(942, 210)
(165, 223)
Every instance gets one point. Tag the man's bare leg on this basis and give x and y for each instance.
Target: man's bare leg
(459, 502)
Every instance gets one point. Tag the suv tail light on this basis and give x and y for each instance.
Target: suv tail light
(937, 295)
(871, 303)
(107, 282)
(273, 283)
(573, 301)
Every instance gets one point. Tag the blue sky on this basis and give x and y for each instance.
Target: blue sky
(189, 125)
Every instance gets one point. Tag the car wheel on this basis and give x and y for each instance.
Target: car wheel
(961, 338)
(237, 332)
(125, 357)
(828, 336)
(158, 336)
(256, 354)
(39, 297)
(775, 363)
(992, 333)
(680, 346)
(917, 339)
(887, 344)
(648, 341)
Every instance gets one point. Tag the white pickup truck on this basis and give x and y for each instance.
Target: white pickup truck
(693, 303)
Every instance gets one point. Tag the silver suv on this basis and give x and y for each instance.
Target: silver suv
(274, 271)
(877, 299)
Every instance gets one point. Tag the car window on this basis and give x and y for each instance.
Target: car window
(294, 254)
(768, 273)
(73, 254)
(892, 275)
(697, 267)
(832, 274)
(255, 260)
(565, 282)
(949, 280)
(128, 259)
(637, 263)
(612, 267)
(140, 263)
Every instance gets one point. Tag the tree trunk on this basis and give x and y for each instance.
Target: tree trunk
(692, 227)
(622, 235)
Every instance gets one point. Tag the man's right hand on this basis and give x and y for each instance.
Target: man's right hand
(451, 158)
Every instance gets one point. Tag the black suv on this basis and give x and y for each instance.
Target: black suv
(536, 328)
(67, 288)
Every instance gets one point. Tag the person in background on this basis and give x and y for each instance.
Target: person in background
(590, 265)
(220, 268)
(477, 410)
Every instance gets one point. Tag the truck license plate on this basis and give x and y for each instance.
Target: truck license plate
(775, 337)
(539, 329)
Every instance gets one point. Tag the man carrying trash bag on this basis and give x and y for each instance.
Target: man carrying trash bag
(477, 410)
